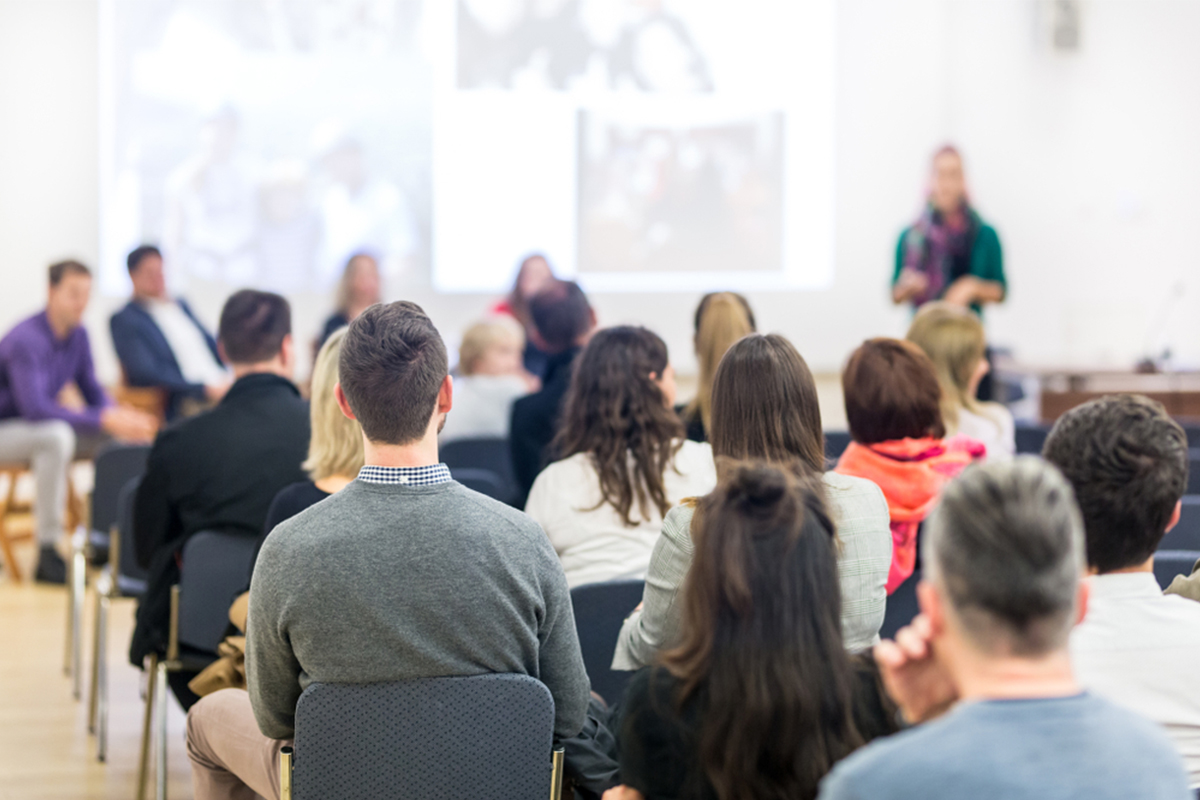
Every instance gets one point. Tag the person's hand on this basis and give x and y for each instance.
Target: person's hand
(912, 674)
(215, 391)
(910, 283)
(622, 792)
(963, 291)
(129, 424)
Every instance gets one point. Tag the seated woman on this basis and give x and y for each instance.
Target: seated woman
(489, 378)
(760, 698)
(764, 407)
(953, 339)
(898, 439)
(359, 289)
(533, 275)
(721, 319)
(625, 460)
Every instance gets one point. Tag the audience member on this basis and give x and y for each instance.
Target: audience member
(482, 589)
(489, 378)
(760, 698)
(563, 322)
(953, 339)
(1128, 463)
(220, 470)
(764, 407)
(358, 290)
(893, 409)
(335, 450)
(161, 344)
(721, 319)
(1004, 560)
(625, 461)
(39, 358)
(533, 275)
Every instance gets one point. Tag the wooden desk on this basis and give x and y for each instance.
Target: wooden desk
(1062, 390)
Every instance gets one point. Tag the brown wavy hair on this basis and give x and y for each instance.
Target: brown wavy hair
(616, 413)
(762, 650)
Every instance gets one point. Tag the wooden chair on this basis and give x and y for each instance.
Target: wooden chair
(151, 400)
(8, 508)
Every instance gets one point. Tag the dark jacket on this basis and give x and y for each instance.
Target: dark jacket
(147, 358)
(535, 421)
(216, 471)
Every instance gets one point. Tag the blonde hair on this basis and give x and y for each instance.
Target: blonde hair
(481, 336)
(336, 444)
(345, 288)
(953, 339)
(721, 320)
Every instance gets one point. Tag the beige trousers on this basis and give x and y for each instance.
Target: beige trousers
(231, 759)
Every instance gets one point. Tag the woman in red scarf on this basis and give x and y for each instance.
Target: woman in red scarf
(893, 408)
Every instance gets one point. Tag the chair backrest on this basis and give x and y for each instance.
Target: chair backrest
(483, 481)
(1185, 535)
(1030, 438)
(901, 607)
(489, 453)
(116, 465)
(836, 443)
(600, 610)
(131, 578)
(486, 736)
(1193, 484)
(1169, 563)
(216, 568)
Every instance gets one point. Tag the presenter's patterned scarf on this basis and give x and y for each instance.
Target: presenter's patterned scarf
(931, 246)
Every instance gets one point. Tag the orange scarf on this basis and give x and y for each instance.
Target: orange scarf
(911, 473)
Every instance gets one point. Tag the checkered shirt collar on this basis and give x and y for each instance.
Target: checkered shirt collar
(431, 475)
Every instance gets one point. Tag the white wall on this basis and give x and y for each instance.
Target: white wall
(1088, 165)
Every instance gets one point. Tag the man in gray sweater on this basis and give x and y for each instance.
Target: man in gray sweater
(403, 574)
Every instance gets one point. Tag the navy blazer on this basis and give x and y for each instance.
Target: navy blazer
(147, 358)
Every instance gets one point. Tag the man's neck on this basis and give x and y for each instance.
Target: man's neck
(150, 298)
(263, 368)
(982, 676)
(60, 329)
(422, 453)
(1145, 566)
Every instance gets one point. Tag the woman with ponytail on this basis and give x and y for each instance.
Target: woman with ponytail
(721, 319)
(760, 699)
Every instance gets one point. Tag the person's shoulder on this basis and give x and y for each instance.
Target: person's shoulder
(695, 456)
(886, 764)
(27, 335)
(1133, 733)
(127, 314)
(850, 493)
(486, 512)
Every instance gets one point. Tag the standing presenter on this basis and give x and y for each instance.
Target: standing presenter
(949, 253)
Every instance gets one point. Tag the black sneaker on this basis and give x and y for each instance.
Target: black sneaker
(50, 568)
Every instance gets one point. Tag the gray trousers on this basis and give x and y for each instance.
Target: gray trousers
(48, 447)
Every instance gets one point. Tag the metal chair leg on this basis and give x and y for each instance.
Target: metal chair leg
(101, 689)
(78, 590)
(147, 720)
(160, 731)
(285, 773)
(556, 774)
(93, 689)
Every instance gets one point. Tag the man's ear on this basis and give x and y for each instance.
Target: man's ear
(445, 395)
(1082, 596)
(342, 402)
(221, 353)
(1175, 515)
(287, 351)
(929, 600)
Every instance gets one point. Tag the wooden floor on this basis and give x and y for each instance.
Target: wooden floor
(45, 750)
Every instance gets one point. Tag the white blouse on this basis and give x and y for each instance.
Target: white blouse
(594, 543)
(994, 427)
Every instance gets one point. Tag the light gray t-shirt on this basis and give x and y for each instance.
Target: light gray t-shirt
(1053, 749)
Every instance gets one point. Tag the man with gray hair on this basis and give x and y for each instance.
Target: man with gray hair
(1004, 559)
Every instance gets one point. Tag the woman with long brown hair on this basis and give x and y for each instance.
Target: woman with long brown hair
(760, 698)
(623, 463)
(764, 407)
(721, 319)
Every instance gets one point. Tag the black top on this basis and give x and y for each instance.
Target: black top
(693, 422)
(535, 421)
(217, 471)
(333, 322)
(658, 744)
(290, 501)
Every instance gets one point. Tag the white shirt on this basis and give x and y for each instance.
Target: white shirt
(482, 406)
(1140, 649)
(995, 428)
(594, 544)
(187, 343)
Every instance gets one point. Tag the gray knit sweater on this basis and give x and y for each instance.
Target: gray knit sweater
(387, 583)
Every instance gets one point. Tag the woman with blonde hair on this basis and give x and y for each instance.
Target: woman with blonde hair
(358, 290)
(488, 379)
(721, 319)
(953, 338)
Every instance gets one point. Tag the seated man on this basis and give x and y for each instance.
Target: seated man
(1004, 566)
(38, 359)
(564, 321)
(431, 579)
(220, 470)
(1128, 463)
(160, 342)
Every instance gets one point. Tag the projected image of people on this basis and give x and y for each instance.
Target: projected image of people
(700, 198)
(641, 45)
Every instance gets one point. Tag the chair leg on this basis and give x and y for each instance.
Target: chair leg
(285, 773)
(78, 591)
(147, 719)
(160, 725)
(101, 690)
(93, 700)
(6, 539)
(556, 774)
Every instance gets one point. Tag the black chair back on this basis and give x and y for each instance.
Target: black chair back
(130, 577)
(836, 443)
(1185, 535)
(1030, 438)
(116, 465)
(1170, 563)
(483, 481)
(216, 568)
(1193, 484)
(901, 607)
(491, 454)
(600, 610)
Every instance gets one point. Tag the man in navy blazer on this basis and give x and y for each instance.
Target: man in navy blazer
(159, 341)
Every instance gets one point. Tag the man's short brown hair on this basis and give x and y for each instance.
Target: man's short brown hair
(64, 268)
(253, 326)
(392, 366)
(891, 391)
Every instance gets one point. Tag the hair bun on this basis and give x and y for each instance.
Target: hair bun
(757, 488)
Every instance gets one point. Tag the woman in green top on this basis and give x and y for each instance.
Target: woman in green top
(949, 253)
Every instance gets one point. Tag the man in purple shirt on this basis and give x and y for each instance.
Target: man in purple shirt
(38, 358)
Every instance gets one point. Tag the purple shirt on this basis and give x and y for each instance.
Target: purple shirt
(34, 367)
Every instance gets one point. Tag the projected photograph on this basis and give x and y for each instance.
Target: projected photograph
(640, 45)
(262, 143)
(686, 199)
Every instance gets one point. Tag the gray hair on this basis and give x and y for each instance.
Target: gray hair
(1006, 548)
